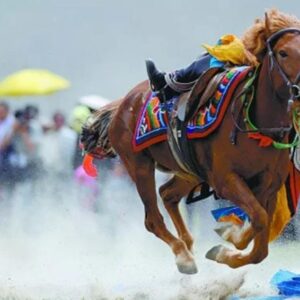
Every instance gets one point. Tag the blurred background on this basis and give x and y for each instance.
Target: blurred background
(100, 46)
(64, 235)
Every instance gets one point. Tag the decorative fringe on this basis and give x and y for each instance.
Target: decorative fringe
(264, 141)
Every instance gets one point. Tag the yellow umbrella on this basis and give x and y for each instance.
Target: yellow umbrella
(30, 82)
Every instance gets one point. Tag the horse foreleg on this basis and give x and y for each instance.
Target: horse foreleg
(234, 258)
(236, 190)
(171, 193)
(145, 182)
(241, 236)
(259, 251)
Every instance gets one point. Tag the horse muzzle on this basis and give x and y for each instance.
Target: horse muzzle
(295, 88)
(295, 91)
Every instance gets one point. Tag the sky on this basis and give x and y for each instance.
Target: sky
(101, 45)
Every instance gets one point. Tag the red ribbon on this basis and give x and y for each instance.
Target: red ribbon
(264, 141)
(89, 166)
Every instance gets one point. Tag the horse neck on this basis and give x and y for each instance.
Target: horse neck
(269, 110)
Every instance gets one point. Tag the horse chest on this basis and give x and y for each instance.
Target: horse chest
(271, 161)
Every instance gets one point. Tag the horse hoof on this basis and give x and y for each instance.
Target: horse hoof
(189, 268)
(223, 231)
(186, 266)
(213, 253)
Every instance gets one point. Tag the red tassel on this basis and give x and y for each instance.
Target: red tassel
(88, 166)
(264, 141)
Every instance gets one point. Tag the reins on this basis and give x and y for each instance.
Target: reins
(248, 93)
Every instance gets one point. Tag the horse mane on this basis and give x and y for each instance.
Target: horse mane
(255, 37)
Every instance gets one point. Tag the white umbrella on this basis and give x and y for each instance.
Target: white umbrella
(93, 101)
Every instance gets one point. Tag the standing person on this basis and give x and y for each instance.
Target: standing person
(7, 122)
(87, 186)
(57, 147)
(7, 126)
(56, 151)
(25, 143)
(78, 117)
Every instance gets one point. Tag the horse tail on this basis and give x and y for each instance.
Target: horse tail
(94, 136)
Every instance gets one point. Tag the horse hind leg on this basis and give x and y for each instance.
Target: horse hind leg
(171, 193)
(141, 169)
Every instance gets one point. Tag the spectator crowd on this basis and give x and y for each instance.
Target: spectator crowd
(36, 152)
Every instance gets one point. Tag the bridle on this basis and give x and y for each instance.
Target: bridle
(293, 87)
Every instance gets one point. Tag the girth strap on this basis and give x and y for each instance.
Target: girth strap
(186, 106)
(211, 80)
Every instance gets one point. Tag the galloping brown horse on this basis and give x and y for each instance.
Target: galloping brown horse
(229, 169)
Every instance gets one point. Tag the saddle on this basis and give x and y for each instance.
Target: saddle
(184, 110)
(205, 86)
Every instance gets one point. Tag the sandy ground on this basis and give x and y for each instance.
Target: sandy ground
(51, 247)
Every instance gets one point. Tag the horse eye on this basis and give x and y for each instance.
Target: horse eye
(282, 53)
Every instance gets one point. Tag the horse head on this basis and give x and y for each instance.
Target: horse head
(284, 62)
(278, 89)
(284, 70)
(275, 43)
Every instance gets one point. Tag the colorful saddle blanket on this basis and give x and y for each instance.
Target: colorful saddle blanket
(151, 127)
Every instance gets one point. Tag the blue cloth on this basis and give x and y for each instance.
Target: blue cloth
(259, 298)
(214, 63)
(226, 211)
(288, 283)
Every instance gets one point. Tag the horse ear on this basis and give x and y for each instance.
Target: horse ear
(267, 25)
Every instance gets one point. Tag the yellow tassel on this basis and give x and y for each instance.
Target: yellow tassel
(231, 50)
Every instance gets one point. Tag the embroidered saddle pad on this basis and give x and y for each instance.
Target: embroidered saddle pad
(151, 127)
